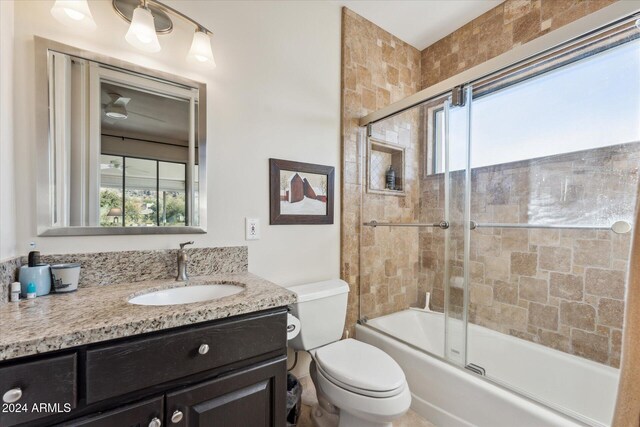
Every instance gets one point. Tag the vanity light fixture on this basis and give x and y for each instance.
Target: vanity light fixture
(142, 31)
(148, 18)
(75, 13)
(201, 48)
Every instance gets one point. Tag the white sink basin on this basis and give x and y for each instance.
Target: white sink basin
(186, 294)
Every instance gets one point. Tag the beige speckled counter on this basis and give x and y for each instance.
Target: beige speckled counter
(101, 313)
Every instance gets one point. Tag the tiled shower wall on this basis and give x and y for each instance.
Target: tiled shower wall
(390, 260)
(499, 30)
(560, 288)
(377, 70)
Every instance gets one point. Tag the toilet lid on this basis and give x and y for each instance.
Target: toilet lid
(360, 365)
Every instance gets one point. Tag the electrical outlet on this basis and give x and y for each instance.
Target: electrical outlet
(252, 229)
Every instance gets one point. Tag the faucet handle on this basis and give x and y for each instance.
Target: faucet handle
(182, 245)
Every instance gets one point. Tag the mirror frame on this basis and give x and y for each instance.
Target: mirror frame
(45, 191)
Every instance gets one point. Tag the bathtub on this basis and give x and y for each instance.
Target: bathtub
(575, 391)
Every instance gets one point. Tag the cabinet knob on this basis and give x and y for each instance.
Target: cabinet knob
(12, 395)
(204, 349)
(155, 422)
(176, 417)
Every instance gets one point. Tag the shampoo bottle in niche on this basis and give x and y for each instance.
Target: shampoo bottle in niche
(390, 178)
(36, 273)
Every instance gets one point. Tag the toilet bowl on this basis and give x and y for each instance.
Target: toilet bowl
(357, 384)
(364, 385)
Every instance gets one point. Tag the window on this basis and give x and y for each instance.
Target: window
(580, 106)
(141, 192)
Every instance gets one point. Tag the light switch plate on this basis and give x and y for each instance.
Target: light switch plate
(252, 229)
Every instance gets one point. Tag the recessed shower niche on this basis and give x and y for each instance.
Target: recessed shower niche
(385, 168)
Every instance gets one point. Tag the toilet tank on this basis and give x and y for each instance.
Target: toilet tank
(322, 310)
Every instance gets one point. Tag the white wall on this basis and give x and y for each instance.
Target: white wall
(7, 195)
(275, 93)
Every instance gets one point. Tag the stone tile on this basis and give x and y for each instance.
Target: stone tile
(390, 268)
(611, 312)
(487, 245)
(590, 346)
(554, 340)
(514, 240)
(481, 294)
(566, 286)
(505, 292)
(605, 283)
(578, 315)
(542, 237)
(595, 253)
(534, 289)
(513, 316)
(496, 268)
(543, 316)
(555, 258)
(524, 264)
(616, 348)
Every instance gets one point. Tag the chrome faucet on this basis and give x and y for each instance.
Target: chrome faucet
(182, 262)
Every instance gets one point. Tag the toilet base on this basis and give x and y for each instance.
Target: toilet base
(323, 418)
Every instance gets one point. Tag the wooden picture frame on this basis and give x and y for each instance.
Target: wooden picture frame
(300, 193)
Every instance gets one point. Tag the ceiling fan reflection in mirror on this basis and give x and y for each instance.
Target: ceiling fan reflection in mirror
(117, 108)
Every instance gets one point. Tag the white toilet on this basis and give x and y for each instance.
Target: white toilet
(357, 384)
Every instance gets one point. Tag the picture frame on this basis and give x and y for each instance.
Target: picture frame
(300, 193)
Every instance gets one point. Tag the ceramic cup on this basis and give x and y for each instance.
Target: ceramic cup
(64, 277)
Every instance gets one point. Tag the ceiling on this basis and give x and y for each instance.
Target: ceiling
(151, 116)
(420, 22)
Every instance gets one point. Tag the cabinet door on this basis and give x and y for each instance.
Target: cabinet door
(253, 397)
(148, 413)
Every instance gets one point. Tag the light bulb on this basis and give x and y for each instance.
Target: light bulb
(75, 13)
(201, 48)
(142, 31)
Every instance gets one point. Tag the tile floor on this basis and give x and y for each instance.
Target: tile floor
(410, 419)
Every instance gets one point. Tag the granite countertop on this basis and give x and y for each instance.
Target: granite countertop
(100, 313)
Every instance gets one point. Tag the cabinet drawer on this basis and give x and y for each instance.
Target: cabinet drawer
(115, 370)
(47, 386)
(141, 414)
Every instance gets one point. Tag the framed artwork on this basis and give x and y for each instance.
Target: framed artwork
(300, 193)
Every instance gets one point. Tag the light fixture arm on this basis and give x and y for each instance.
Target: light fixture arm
(170, 10)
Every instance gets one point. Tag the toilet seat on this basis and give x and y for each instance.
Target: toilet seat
(360, 368)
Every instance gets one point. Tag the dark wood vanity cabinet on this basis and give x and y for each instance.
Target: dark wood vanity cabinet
(247, 398)
(148, 412)
(229, 372)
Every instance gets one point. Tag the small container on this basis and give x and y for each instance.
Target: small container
(15, 292)
(390, 178)
(65, 277)
(31, 291)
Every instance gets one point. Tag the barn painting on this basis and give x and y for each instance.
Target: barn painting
(303, 193)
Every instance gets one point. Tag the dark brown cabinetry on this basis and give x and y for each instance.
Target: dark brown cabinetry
(230, 372)
(31, 390)
(142, 414)
(247, 398)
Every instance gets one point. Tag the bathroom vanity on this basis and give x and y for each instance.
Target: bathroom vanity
(218, 362)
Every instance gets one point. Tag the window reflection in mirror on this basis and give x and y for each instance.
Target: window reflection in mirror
(144, 158)
(123, 148)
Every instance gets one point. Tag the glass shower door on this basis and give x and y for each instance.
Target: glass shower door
(552, 177)
(456, 120)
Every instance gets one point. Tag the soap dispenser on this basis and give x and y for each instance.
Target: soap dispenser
(37, 273)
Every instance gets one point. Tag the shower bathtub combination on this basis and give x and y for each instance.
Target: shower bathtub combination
(438, 389)
(495, 234)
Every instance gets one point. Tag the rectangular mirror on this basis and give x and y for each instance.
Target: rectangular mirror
(123, 148)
